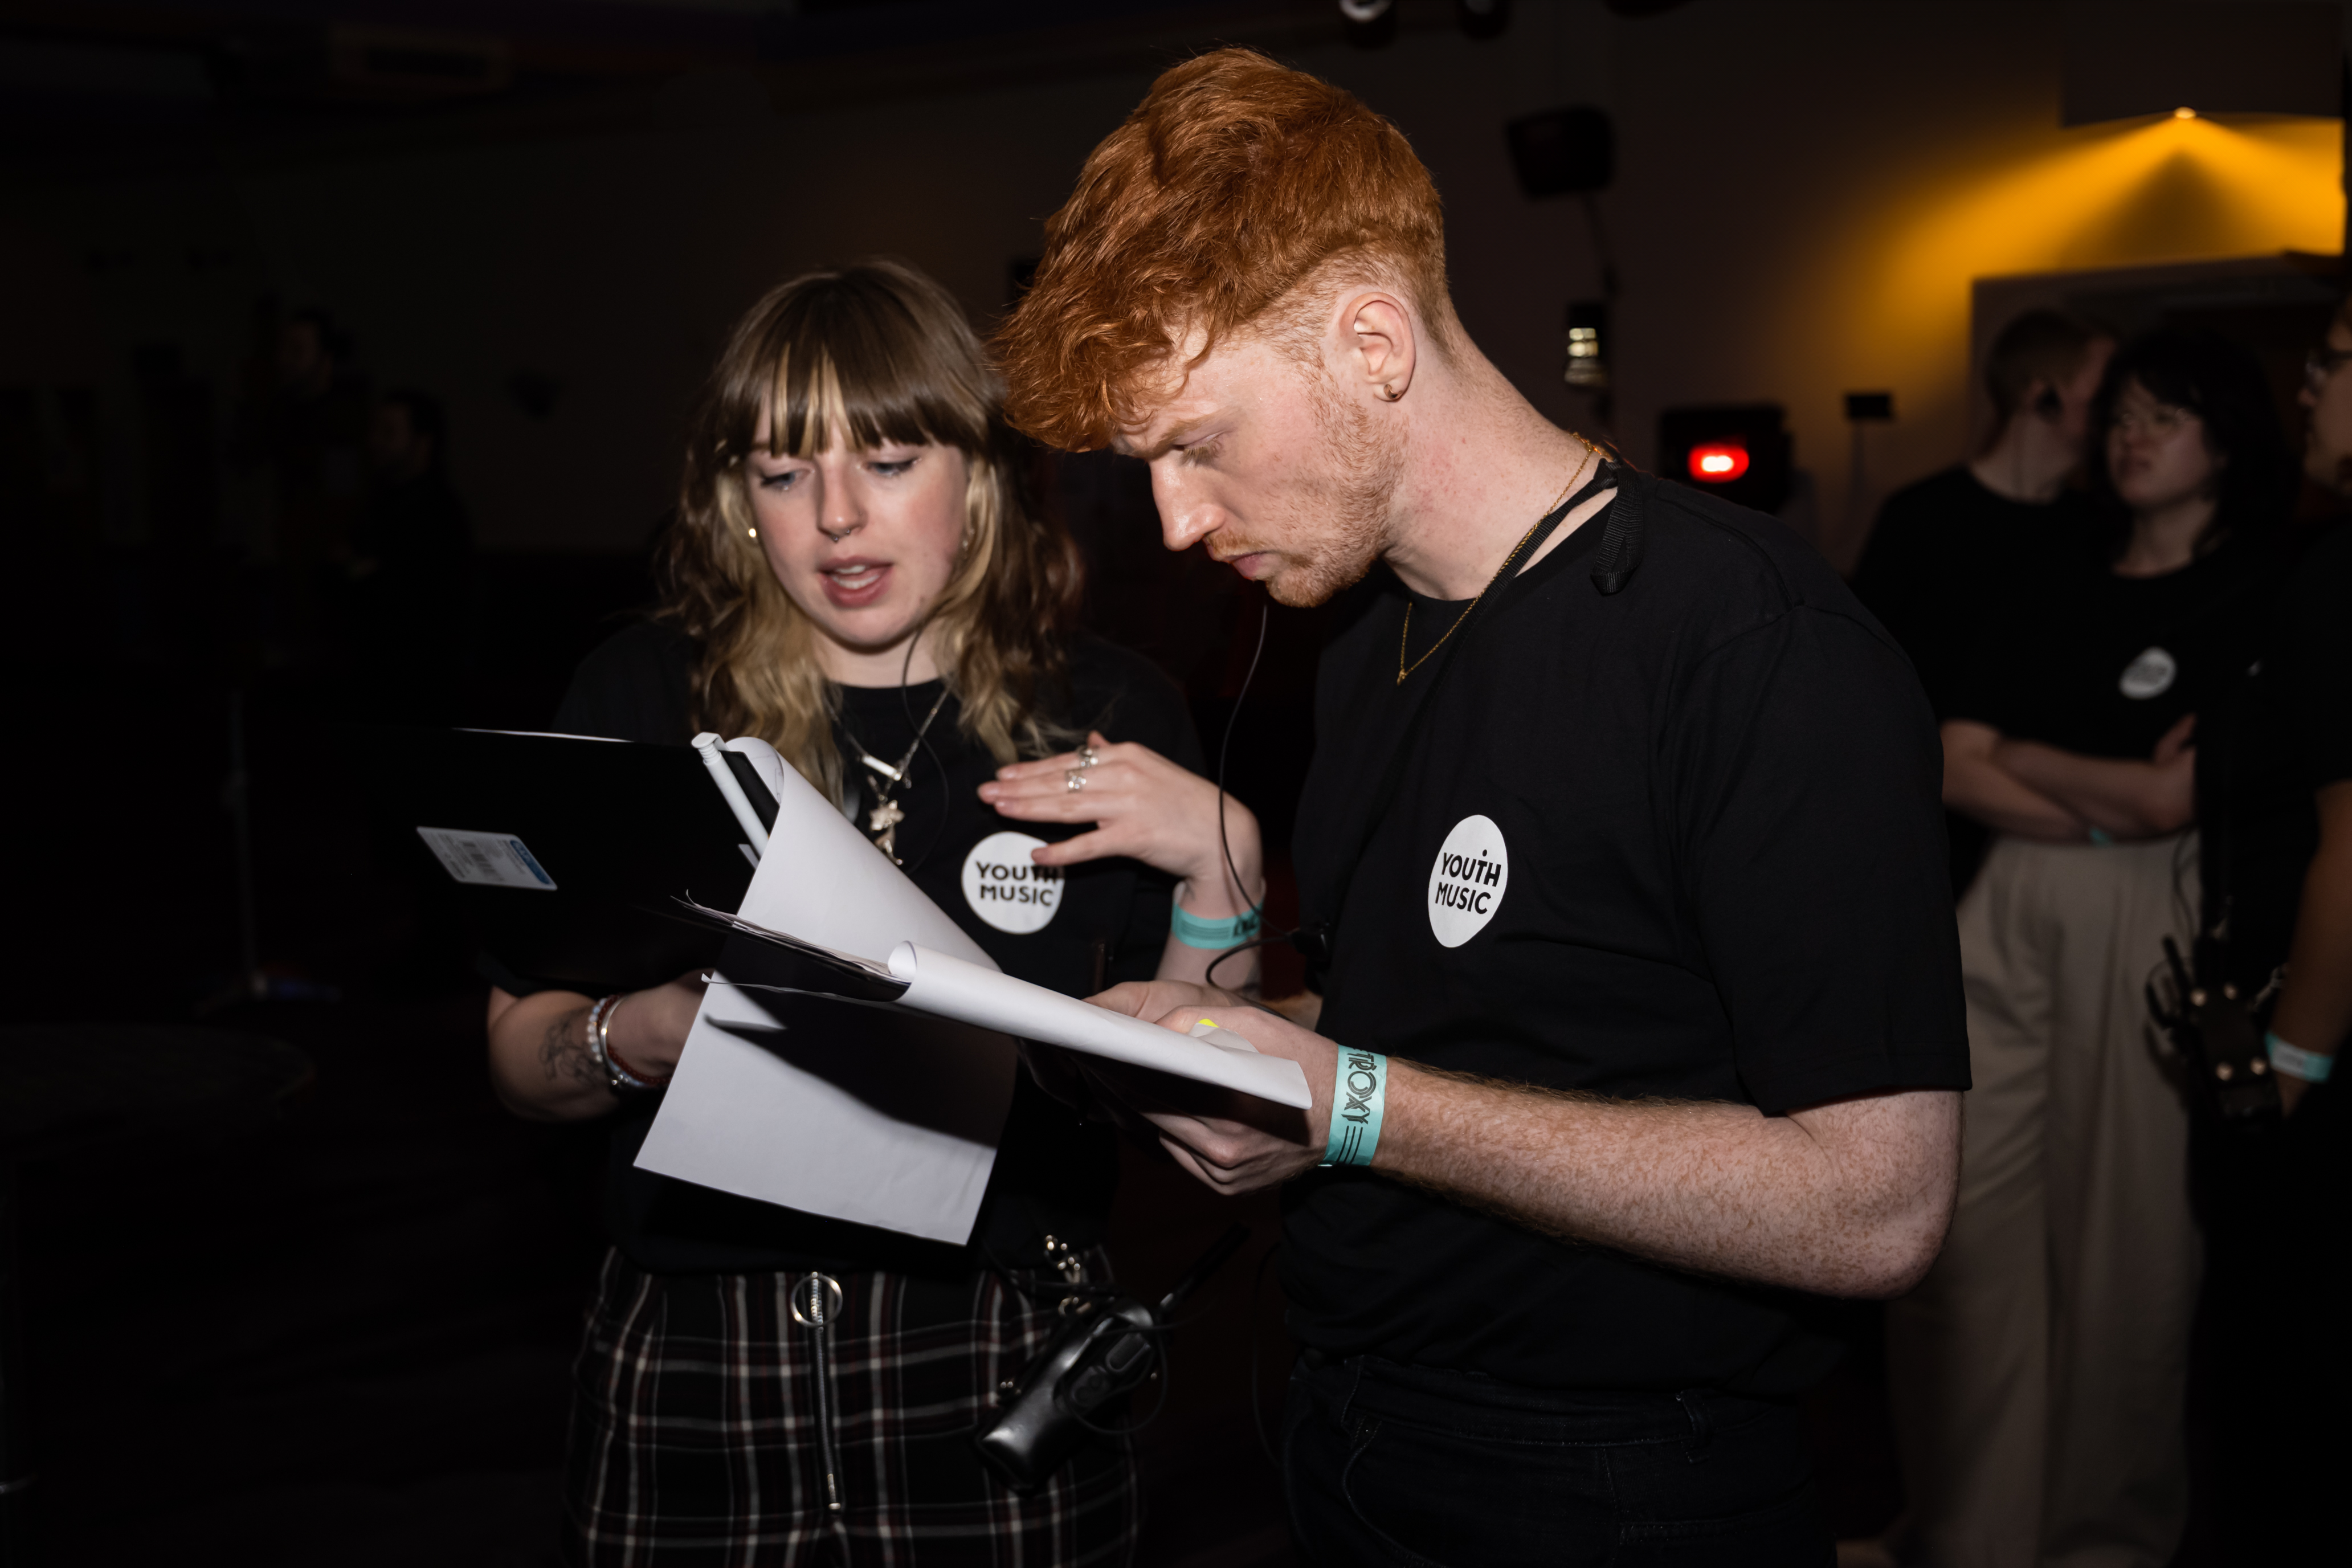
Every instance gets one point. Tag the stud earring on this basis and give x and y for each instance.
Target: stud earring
(752, 532)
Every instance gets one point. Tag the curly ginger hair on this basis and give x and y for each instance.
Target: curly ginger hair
(1235, 182)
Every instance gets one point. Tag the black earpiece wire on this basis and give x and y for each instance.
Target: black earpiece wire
(922, 739)
(1224, 747)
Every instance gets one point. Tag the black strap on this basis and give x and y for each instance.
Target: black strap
(1620, 554)
(1614, 565)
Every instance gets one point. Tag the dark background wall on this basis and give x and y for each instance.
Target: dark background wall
(1805, 192)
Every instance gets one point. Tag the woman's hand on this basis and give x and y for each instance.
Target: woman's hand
(647, 1029)
(1145, 807)
(541, 1063)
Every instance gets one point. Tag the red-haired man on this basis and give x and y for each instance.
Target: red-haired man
(1641, 1012)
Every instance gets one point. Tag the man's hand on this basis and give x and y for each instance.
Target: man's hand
(1231, 1142)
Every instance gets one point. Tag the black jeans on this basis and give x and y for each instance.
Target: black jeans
(1392, 1464)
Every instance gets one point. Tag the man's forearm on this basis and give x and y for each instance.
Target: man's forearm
(2128, 799)
(1846, 1199)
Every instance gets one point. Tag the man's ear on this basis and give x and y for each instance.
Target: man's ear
(1380, 343)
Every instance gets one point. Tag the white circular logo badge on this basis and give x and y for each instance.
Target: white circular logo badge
(1466, 885)
(2150, 675)
(1008, 889)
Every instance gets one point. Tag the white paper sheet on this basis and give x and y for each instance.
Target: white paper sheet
(955, 988)
(859, 1125)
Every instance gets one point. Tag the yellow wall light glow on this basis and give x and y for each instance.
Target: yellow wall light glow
(2171, 190)
(1885, 299)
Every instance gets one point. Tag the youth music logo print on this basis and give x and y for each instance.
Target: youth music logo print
(2150, 675)
(1466, 885)
(1008, 889)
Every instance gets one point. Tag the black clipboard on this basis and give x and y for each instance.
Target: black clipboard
(566, 855)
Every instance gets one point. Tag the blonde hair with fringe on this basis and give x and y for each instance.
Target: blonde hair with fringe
(867, 354)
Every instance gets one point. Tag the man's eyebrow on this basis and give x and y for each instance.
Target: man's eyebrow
(1177, 435)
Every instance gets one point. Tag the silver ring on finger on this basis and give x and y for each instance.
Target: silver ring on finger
(1088, 756)
(1073, 779)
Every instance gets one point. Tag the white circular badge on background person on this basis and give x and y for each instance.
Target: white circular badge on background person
(1467, 883)
(2150, 675)
(1008, 889)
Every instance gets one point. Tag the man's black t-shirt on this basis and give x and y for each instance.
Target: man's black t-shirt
(1680, 841)
(1944, 555)
(2104, 664)
(2263, 749)
(1052, 1173)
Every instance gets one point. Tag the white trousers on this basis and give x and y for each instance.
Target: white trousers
(2038, 1373)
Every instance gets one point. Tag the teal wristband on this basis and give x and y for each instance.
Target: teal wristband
(2311, 1067)
(1360, 1097)
(1214, 936)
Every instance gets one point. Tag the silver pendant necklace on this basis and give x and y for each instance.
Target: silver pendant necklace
(888, 780)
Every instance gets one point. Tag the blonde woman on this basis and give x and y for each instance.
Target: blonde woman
(856, 575)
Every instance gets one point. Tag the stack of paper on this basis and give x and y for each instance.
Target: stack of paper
(856, 1058)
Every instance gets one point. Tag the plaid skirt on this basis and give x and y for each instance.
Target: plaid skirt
(695, 1438)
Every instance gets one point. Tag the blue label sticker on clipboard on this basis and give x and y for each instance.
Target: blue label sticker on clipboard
(487, 859)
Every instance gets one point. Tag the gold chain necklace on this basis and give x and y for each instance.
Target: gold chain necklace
(884, 820)
(1405, 636)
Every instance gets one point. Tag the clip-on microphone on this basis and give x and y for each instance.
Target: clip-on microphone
(1100, 1355)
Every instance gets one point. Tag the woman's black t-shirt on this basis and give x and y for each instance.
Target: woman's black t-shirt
(2103, 665)
(1054, 1174)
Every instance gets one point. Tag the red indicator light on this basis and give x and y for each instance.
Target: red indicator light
(1717, 462)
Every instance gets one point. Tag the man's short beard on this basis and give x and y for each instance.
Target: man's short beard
(1348, 516)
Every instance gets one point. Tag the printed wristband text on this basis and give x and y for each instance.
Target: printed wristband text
(1360, 1097)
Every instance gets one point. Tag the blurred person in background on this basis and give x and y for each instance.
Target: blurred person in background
(1947, 550)
(2038, 1373)
(408, 583)
(307, 427)
(2274, 812)
(858, 575)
